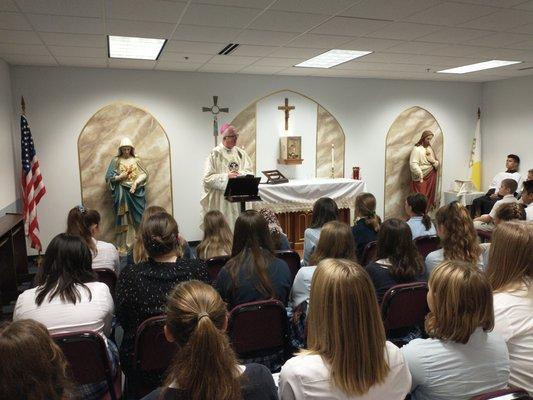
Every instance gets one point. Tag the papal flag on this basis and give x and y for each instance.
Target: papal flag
(475, 155)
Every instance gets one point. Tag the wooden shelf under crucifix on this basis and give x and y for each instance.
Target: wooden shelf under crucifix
(286, 108)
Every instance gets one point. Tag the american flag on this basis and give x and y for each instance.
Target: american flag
(32, 185)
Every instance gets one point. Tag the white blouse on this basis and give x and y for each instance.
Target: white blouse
(93, 314)
(106, 256)
(308, 377)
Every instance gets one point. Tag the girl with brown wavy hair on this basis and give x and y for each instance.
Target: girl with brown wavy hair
(458, 238)
(217, 239)
(367, 223)
(510, 273)
(462, 357)
(205, 366)
(253, 273)
(348, 356)
(33, 366)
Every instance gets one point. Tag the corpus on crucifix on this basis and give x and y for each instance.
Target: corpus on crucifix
(215, 110)
(286, 108)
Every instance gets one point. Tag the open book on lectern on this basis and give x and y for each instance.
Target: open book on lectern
(243, 188)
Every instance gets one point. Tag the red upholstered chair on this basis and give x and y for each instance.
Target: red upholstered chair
(89, 362)
(292, 259)
(369, 253)
(484, 236)
(504, 394)
(107, 276)
(214, 265)
(427, 244)
(404, 306)
(259, 329)
(152, 354)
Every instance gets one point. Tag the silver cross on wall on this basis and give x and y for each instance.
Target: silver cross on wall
(215, 110)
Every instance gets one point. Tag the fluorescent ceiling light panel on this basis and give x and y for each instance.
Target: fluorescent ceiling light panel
(135, 47)
(331, 58)
(478, 67)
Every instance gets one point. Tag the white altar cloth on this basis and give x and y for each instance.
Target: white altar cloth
(465, 199)
(299, 195)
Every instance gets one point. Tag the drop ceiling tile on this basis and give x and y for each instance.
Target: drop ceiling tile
(296, 52)
(500, 39)
(180, 46)
(131, 64)
(181, 57)
(233, 60)
(453, 35)
(73, 8)
(82, 62)
(279, 62)
(266, 38)
(493, 3)
(286, 21)
(85, 52)
(261, 4)
(205, 34)
(146, 29)
(330, 7)
(73, 39)
(404, 31)
(174, 66)
(14, 21)
(258, 69)
(19, 37)
(27, 49)
(443, 60)
(253, 51)
(451, 14)
(56, 23)
(528, 5)
(525, 29)
(349, 26)
(385, 58)
(224, 16)
(415, 47)
(503, 20)
(387, 9)
(526, 45)
(7, 5)
(373, 44)
(315, 41)
(506, 54)
(223, 68)
(455, 50)
(144, 10)
(25, 59)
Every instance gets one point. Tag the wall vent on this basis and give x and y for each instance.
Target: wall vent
(230, 48)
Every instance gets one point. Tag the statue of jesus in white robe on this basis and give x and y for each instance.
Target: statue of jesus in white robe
(226, 161)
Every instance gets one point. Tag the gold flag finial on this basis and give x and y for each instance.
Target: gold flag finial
(478, 113)
(23, 104)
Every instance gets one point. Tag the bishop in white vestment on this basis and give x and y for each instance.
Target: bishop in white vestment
(226, 161)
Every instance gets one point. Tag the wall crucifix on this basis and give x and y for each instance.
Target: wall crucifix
(215, 110)
(286, 108)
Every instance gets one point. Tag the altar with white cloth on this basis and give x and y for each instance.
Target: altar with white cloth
(293, 202)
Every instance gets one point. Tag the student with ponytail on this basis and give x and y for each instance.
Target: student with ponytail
(85, 223)
(367, 222)
(419, 221)
(205, 366)
(142, 288)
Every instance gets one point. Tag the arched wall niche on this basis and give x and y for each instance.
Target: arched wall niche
(403, 134)
(261, 124)
(97, 145)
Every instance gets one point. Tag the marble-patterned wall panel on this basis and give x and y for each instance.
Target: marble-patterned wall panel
(404, 132)
(246, 125)
(98, 144)
(329, 132)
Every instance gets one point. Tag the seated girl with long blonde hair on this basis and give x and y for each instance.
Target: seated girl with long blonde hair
(217, 239)
(348, 356)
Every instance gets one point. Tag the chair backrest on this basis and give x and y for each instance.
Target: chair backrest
(258, 328)
(214, 265)
(87, 357)
(405, 305)
(107, 276)
(292, 259)
(369, 253)
(427, 244)
(484, 236)
(504, 394)
(152, 351)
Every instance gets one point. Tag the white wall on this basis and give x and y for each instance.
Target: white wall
(8, 191)
(61, 100)
(507, 125)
